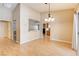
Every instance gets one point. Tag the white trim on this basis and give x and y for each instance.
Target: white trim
(23, 42)
(28, 41)
(63, 41)
(5, 20)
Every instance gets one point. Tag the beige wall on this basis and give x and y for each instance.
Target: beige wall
(62, 27)
(3, 29)
(9, 30)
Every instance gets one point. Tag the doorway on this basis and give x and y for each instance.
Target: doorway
(5, 29)
(14, 30)
(46, 30)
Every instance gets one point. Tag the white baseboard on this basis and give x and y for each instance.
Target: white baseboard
(28, 41)
(22, 42)
(63, 41)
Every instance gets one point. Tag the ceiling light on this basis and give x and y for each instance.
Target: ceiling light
(49, 19)
(46, 19)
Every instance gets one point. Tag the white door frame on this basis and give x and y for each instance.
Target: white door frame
(75, 39)
(77, 34)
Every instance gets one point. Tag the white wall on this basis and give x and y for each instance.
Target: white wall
(77, 31)
(25, 14)
(78, 35)
(5, 14)
(75, 23)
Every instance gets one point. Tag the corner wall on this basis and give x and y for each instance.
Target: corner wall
(16, 16)
(62, 27)
(27, 13)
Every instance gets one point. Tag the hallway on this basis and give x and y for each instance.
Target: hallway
(40, 47)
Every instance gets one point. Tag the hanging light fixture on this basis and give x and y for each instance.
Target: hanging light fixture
(49, 19)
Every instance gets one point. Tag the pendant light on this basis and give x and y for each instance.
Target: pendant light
(49, 19)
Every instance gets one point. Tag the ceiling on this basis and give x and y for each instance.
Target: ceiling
(8, 6)
(42, 7)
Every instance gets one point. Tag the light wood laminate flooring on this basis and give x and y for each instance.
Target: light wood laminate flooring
(39, 47)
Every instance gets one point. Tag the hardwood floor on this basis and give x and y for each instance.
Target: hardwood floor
(9, 47)
(40, 47)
